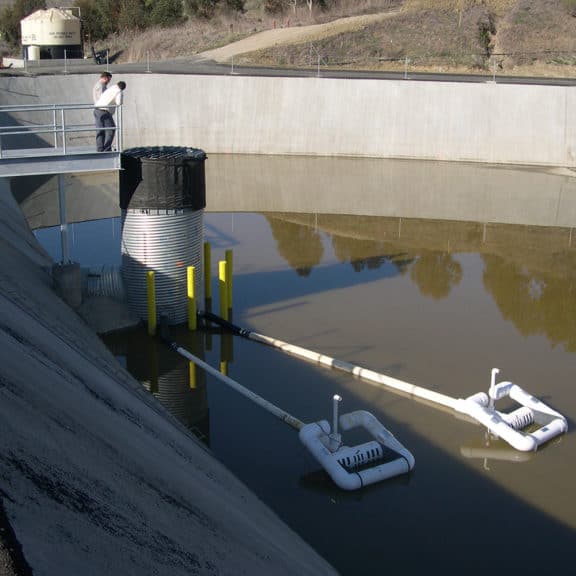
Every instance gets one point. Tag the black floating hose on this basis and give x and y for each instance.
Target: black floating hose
(225, 324)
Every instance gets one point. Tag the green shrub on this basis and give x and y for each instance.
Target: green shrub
(201, 8)
(166, 13)
(571, 6)
(275, 6)
(10, 19)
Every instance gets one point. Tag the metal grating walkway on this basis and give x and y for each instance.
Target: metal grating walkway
(35, 161)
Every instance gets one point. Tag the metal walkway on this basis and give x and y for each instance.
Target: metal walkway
(53, 139)
(34, 161)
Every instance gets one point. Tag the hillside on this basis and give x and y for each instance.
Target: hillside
(525, 37)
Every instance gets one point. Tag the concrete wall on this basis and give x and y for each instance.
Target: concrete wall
(509, 124)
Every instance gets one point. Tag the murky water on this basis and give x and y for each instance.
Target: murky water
(431, 273)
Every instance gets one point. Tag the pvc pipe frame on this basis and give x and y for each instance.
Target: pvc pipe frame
(479, 407)
(316, 437)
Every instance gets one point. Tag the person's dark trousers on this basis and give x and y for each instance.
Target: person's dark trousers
(104, 138)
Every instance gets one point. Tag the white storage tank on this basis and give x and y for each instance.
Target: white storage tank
(53, 33)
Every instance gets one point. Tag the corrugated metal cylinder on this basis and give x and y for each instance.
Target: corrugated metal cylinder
(166, 242)
(162, 196)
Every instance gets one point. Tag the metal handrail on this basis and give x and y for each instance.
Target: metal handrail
(59, 127)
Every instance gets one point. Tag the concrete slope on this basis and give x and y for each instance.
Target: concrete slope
(95, 477)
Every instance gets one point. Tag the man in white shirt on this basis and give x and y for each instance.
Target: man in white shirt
(104, 109)
(100, 86)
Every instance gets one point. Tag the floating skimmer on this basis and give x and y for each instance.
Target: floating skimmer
(350, 467)
(516, 428)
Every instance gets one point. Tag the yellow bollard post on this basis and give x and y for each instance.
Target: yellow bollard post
(192, 375)
(224, 367)
(207, 271)
(223, 289)
(191, 299)
(229, 269)
(151, 292)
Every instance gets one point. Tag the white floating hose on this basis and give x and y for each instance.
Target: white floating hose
(342, 365)
(479, 407)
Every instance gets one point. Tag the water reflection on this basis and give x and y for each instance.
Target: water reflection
(179, 386)
(300, 245)
(529, 271)
(435, 273)
(537, 299)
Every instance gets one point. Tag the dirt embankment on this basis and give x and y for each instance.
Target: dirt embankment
(294, 35)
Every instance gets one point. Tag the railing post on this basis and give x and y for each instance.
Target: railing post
(63, 131)
(120, 142)
(54, 125)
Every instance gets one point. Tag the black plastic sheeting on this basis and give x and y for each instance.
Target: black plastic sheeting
(162, 178)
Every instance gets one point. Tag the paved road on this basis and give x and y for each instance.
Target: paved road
(208, 67)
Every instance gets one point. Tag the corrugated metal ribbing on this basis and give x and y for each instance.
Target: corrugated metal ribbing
(166, 242)
(103, 281)
(188, 405)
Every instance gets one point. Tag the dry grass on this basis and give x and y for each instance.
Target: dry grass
(427, 38)
(495, 6)
(198, 35)
(537, 31)
(527, 37)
